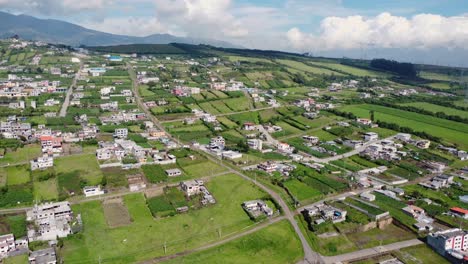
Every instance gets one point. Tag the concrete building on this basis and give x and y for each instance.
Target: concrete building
(43, 256)
(92, 191)
(121, 133)
(42, 163)
(51, 220)
(173, 172)
(450, 242)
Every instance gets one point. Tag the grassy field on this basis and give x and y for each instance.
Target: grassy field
(438, 108)
(203, 169)
(260, 247)
(249, 59)
(86, 165)
(17, 175)
(348, 69)
(449, 131)
(45, 190)
(302, 191)
(306, 68)
(144, 237)
(21, 259)
(420, 254)
(24, 154)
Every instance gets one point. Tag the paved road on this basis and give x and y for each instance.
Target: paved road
(66, 103)
(217, 243)
(370, 252)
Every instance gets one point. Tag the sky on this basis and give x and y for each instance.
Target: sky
(356, 28)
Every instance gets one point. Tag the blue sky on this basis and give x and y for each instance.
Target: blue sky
(317, 26)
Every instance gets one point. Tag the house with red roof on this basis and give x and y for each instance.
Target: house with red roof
(460, 212)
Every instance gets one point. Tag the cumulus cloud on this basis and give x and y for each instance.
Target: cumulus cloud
(132, 26)
(202, 18)
(423, 31)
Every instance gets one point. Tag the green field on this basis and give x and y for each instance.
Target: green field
(420, 254)
(17, 175)
(86, 165)
(144, 237)
(306, 68)
(448, 131)
(21, 155)
(45, 190)
(438, 108)
(260, 247)
(348, 69)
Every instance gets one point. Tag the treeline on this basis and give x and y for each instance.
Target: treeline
(408, 130)
(400, 68)
(420, 111)
(391, 126)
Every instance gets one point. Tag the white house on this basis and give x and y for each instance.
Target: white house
(173, 172)
(42, 163)
(92, 191)
(371, 136)
(121, 133)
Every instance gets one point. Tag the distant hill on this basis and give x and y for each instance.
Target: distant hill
(60, 32)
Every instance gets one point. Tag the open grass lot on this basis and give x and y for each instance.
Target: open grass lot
(302, 191)
(419, 254)
(17, 175)
(116, 213)
(86, 165)
(21, 259)
(374, 237)
(260, 247)
(450, 131)
(438, 76)
(203, 169)
(13, 224)
(145, 236)
(438, 108)
(45, 190)
(3, 177)
(24, 154)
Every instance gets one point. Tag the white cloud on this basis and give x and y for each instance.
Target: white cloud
(200, 18)
(132, 26)
(423, 31)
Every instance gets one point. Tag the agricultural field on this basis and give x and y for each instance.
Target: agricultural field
(449, 131)
(145, 237)
(438, 108)
(261, 246)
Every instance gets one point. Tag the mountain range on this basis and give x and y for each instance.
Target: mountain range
(61, 32)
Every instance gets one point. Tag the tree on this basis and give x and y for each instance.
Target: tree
(372, 117)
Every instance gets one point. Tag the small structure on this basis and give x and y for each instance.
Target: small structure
(92, 191)
(371, 136)
(231, 155)
(42, 163)
(257, 208)
(136, 183)
(459, 212)
(173, 172)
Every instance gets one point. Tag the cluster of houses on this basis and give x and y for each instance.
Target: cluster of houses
(312, 107)
(119, 149)
(19, 87)
(230, 86)
(406, 138)
(185, 91)
(122, 117)
(438, 182)
(197, 187)
(423, 221)
(336, 87)
(323, 212)
(47, 222)
(385, 150)
(257, 208)
(461, 154)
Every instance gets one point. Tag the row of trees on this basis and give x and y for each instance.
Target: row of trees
(400, 68)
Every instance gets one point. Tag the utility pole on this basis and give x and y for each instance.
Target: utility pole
(219, 232)
(165, 248)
